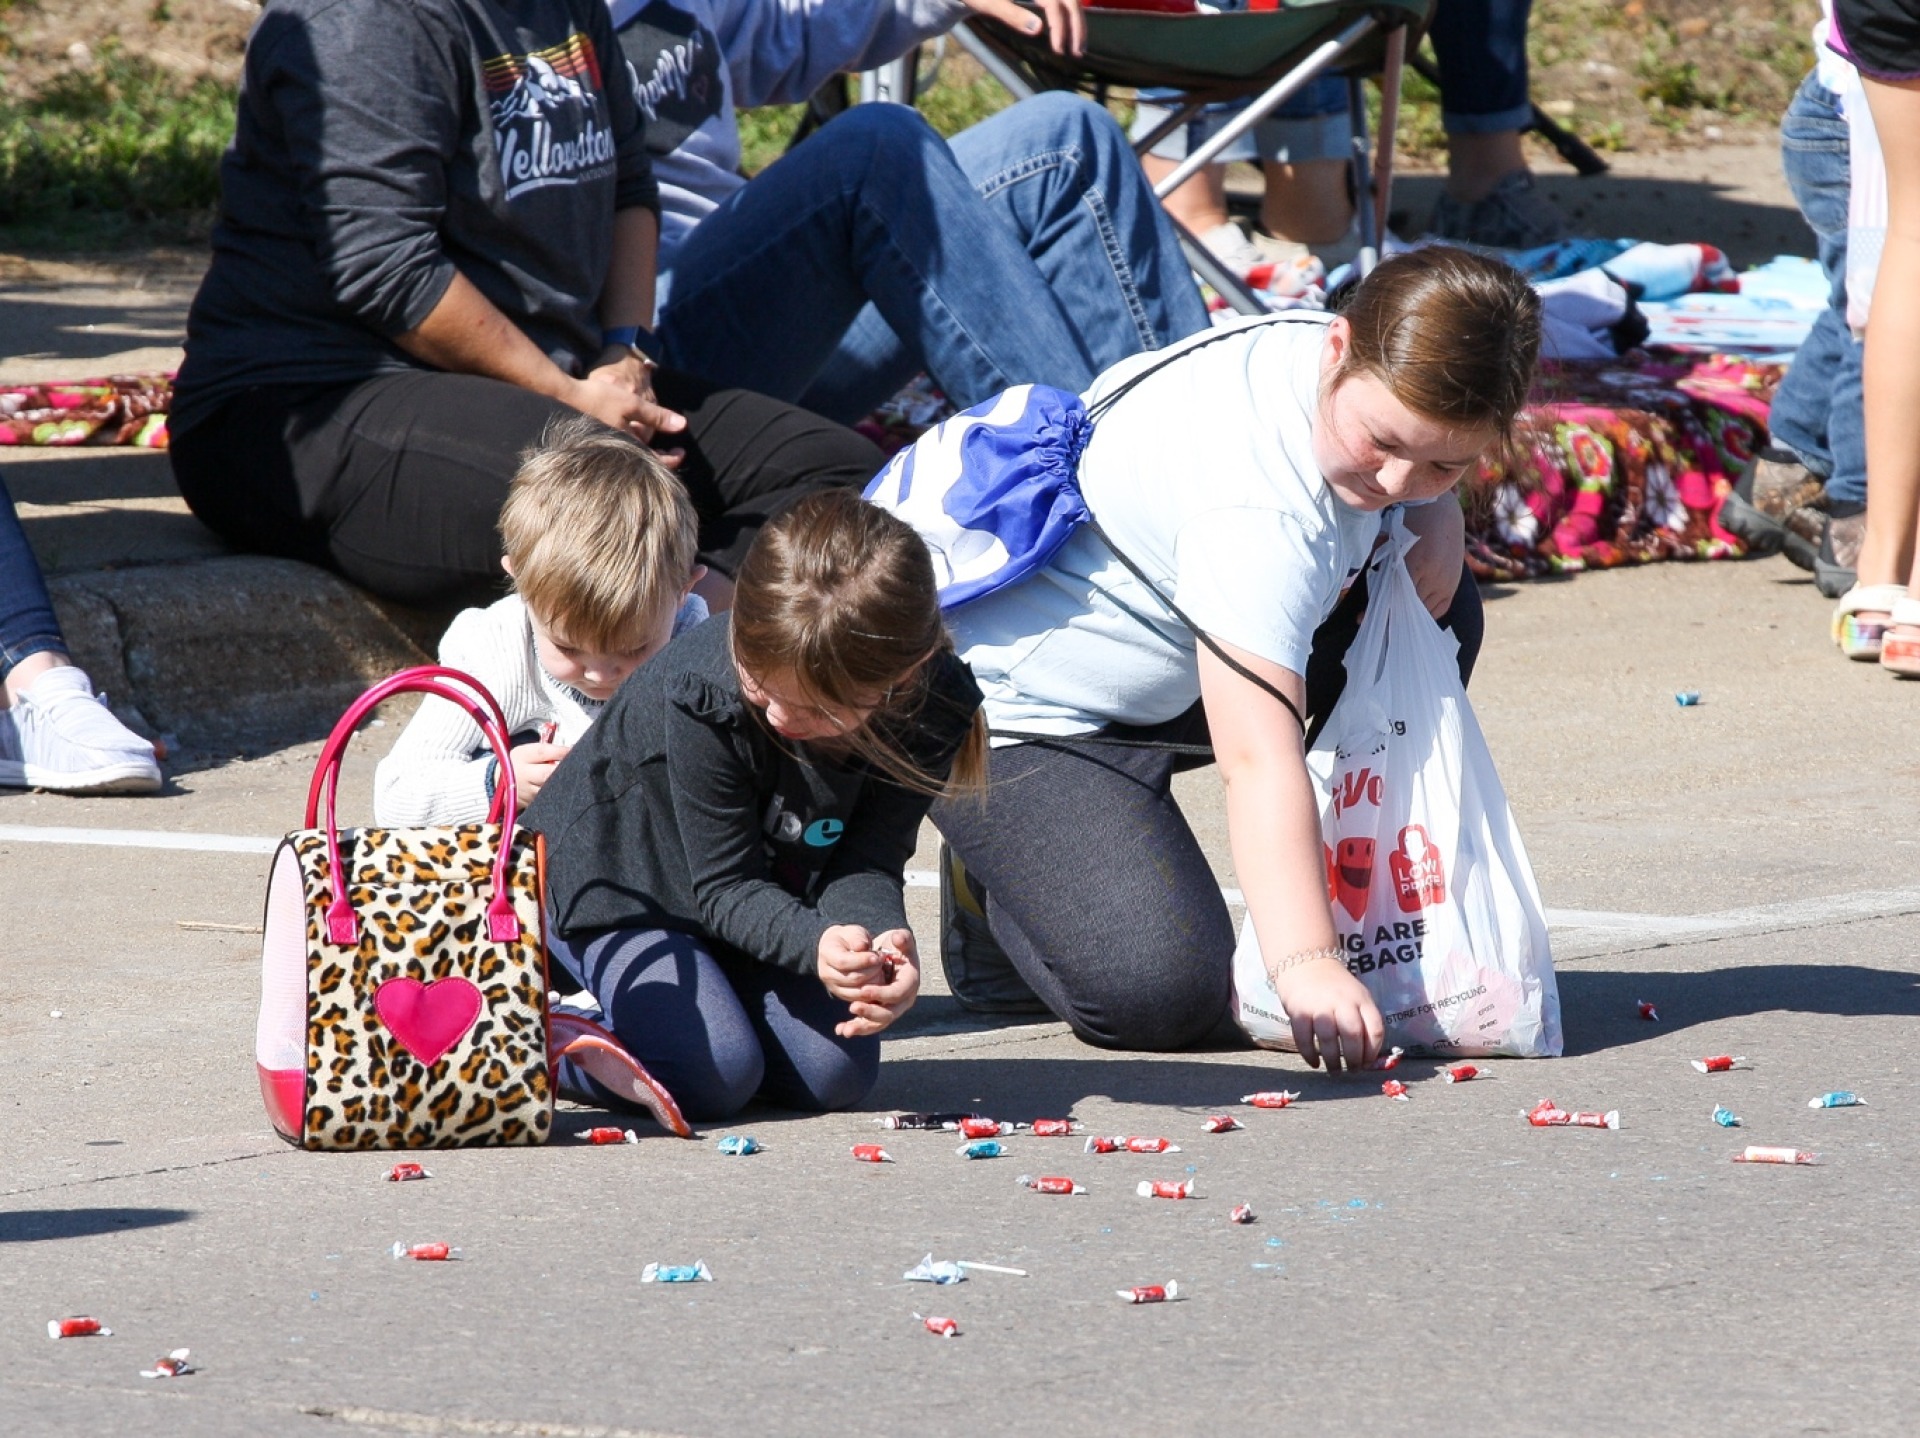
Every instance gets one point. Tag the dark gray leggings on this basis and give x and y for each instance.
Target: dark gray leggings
(718, 1031)
(1096, 886)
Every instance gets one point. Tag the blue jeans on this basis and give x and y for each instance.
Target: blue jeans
(1816, 411)
(27, 625)
(719, 1030)
(1481, 47)
(1030, 250)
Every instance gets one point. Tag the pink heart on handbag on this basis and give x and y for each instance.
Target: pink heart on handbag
(427, 1019)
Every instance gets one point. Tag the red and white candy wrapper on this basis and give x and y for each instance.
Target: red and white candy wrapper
(1056, 1127)
(982, 1128)
(174, 1365)
(607, 1135)
(1393, 1088)
(1151, 1293)
(1242, 1213)
(1388, 1060)
(1044, 1184)
(1762, 1153)
(1649, 1012)
(1546, 1114)
(943, 1327)
(425, 1252)
(407, 1173)
(1161, 1188)
(1464, 1073)
(1719, 1063)
(77, 1328)
(1221, 1123)
(1272, 1098)
(871, 1153)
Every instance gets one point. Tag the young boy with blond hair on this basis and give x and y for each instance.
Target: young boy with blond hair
(599, 539)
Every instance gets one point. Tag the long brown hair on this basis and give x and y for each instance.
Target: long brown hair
(839, 594)
(1453, 335)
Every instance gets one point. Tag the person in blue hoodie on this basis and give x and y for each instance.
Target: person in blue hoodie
(1029, 249)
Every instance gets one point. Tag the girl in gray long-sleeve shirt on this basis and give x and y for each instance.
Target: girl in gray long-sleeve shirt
(725, 847)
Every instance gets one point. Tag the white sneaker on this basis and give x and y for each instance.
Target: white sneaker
(1230, 245)
(59, 736)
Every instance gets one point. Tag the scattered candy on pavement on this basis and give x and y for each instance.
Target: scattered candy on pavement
(1719, 1063)
(425, 1252)
(1725, 1116)
(695, 1272)
(944, 1327)
(871, 1153)
(1649, 1012)
(1546, 1114)
(1687, 698)
(923, 1120)
(1393, 1088)
(1056, 1127)
(1464, 1073)
(1760, 1153)
(982, 1148)
(1161, 1188)
(1150, 1293)
(739, 1145)
(1131, 1145)
(174, 1365)
(1272, 1098)
(1242, 1213)
(1045, 1184)
(1388, 1060)
(932, 1270)
(1222, 1123)
(77, 1328)
(607, 1135)
(1841, 1099)
(407, 1173)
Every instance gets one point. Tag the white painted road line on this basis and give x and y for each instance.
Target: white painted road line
(138, 839)
(1598, 930)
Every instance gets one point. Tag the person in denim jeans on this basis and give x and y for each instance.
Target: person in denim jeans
(1808, 494)
(1027, 249)
(54, 732)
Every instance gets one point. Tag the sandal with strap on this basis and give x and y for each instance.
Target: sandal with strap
(1862, 638)
(1900, 652)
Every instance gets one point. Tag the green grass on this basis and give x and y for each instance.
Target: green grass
(115, 150)
(954, 101)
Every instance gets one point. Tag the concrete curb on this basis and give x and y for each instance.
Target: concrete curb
(228, 652)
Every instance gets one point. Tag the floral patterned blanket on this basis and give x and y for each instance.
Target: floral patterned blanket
(119, 409)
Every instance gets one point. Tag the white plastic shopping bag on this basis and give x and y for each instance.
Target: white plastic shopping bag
(1433, 898)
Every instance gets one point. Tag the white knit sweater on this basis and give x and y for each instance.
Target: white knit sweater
(436, 772)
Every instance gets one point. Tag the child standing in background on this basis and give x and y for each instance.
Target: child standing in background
(599, 539)
(725, 851)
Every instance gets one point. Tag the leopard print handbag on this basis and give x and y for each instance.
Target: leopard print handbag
(404, 986)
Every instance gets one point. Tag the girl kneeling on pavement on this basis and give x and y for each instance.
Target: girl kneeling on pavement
(726, 845)
(1236, 490)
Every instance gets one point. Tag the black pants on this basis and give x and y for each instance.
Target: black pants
(1098, 889)
(396, 482)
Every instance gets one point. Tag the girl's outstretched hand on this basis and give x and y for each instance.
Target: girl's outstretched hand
(896, 987)
(1334, 1017)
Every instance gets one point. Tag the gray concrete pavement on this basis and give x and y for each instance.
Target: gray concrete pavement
(1435, 1264)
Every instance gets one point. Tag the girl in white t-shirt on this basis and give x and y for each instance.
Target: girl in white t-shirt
(1246, 480)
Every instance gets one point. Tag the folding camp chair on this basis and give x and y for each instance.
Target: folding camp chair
(1268, 54)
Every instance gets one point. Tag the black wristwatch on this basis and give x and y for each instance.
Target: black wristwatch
(638, 338)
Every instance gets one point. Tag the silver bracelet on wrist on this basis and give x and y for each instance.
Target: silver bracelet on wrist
(1304, 956)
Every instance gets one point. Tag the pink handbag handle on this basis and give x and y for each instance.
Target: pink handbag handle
(343, 925)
